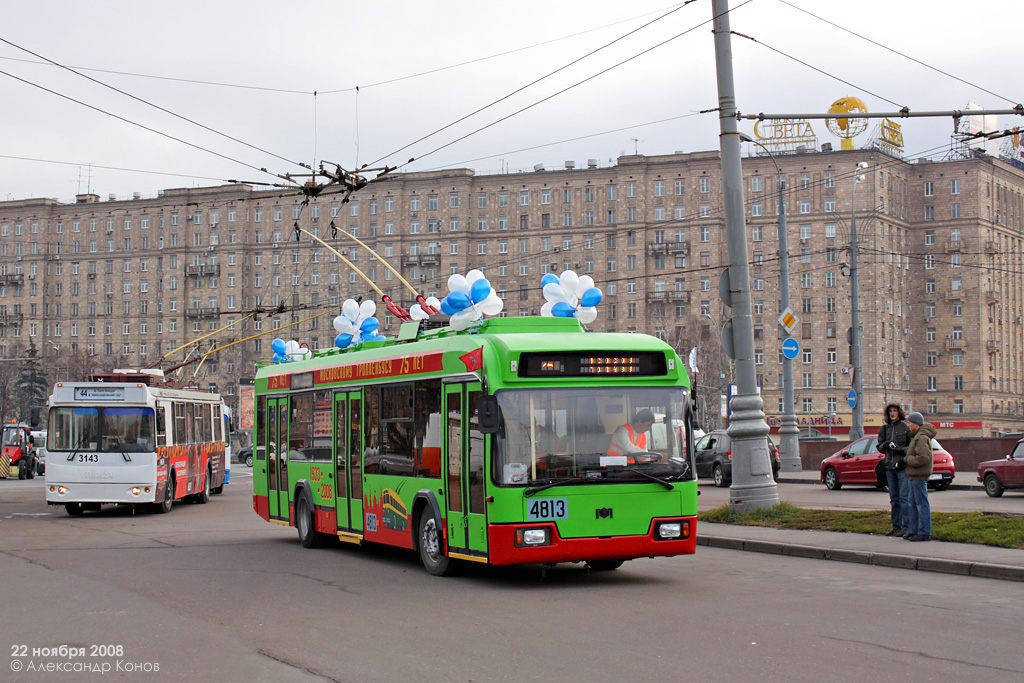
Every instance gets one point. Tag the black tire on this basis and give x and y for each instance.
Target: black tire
(992, 486)
(431, 546)
(718, 474)
(30, 470)
(306, 525)
(203, 496)
(604, 565)
(167, 503)
(74, 509)
(40, 469)
(21, 469)
(248, 460)
(943, 485)
(832, 482)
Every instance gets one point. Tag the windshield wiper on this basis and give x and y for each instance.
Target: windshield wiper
(78, 447)
(657, 480)
(558, 482)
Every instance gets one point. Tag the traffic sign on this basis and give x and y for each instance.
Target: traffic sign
(851, 398)
(789, 320)
(790, 349)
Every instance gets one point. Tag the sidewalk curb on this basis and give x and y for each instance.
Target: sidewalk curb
(929, 564)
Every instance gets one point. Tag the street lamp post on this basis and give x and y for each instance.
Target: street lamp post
(857, 425)
(752, 485)
(789, 432)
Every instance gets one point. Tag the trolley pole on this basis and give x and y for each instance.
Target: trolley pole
(752, 484)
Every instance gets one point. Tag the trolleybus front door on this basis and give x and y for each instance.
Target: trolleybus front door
(348, 459)
(465, 471)
(277, 458)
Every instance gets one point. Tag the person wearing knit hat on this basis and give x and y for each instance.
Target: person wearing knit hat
(919, 468)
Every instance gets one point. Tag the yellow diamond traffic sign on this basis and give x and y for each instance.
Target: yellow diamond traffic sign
(789, 320)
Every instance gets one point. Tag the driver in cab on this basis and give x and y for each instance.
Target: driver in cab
(632, 436)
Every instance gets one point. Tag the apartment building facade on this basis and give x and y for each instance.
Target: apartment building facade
(939, 255)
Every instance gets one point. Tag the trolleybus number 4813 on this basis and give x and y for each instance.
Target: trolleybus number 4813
(548, 508)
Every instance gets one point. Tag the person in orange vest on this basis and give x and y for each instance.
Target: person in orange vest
(631, 437)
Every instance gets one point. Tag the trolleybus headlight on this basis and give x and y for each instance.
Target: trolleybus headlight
(670, 530)
(136, 490)
(60, 489)
(531, 537)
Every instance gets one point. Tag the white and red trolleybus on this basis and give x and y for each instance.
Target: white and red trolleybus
(126, 438)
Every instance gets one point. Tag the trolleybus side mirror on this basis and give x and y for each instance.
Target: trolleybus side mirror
(487, 408)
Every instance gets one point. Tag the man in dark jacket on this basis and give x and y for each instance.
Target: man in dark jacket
(893, 440)
(919, 468)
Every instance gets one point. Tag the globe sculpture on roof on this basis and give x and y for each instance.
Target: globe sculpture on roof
(843, 127)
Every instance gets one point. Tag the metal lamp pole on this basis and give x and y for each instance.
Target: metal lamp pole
(789, 433)
(857, 425)
(752, 485)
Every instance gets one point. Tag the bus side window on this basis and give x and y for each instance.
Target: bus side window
(161, 426)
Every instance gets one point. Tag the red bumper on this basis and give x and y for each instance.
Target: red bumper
(502, 545)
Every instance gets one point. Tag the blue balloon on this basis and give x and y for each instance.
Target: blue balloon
(446, 307)
(342, 341)
(591, 297)
(480, 290)
(278, 357)
(379, 337)
(459, 301)
(562, 310)
(369, 325)
(278, 345)
(548, 278)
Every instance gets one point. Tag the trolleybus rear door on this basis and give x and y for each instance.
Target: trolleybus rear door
(277, 458)
(464, 471)
(348, 457)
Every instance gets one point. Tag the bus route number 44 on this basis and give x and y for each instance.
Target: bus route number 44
(547, 508)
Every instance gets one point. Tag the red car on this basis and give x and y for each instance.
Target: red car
(1008, 473)
(861, 463)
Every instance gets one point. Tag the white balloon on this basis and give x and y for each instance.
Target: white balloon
(368, 308)
(472, 276)
(291, 347)
(492, 305)
(545, 310)
(587, 314)
(350, 309)
(416, 312)
(586, 282)
(434, 301)
(463, 319)
(339, 323)
(569, 281)
(457, 283)
(346, 326)
(553, 292)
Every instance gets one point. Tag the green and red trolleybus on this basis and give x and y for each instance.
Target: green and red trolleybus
(490, 445)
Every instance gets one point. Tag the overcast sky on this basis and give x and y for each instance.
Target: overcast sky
(249, 71)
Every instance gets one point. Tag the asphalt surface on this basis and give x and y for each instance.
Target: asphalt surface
(934, 556)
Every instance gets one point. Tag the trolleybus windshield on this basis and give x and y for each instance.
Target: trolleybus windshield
(102, 429)
(565, 434)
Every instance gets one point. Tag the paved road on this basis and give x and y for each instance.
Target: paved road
(214, 592)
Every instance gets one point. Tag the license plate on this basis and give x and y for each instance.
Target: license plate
(934, 476)
(547, 508)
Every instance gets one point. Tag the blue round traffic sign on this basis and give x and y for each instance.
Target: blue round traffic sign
(851, 398)
(790, 349)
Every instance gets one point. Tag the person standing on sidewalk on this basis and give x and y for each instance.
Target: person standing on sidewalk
(893, 440)
(919, 468)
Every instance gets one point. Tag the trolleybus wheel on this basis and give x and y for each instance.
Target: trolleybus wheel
(203, 497)
(306, 525)
(431, 550)
(74, 509)
(165, 506)
(604, 565)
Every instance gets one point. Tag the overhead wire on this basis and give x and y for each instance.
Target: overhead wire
(531, 83)
(897, 52)
(150, 104)
(135, 123)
